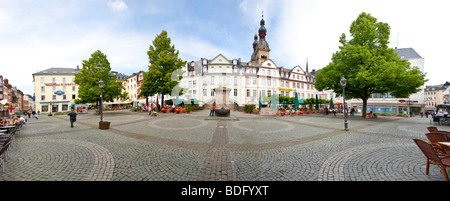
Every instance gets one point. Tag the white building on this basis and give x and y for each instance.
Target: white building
(245, 80)
(55, 89)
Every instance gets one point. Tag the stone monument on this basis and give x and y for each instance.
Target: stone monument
(222, 102)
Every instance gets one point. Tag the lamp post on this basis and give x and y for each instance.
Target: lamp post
(343, 83)
(101, 84)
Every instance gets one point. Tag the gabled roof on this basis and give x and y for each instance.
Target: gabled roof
(220, 55)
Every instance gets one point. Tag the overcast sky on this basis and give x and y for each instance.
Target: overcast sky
(39, 34)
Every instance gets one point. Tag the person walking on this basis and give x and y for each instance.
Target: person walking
(73, 117)
(213, 108)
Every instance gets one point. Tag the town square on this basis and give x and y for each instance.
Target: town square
(192, 147)
(224, 92)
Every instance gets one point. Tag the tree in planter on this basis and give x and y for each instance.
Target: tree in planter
(188, 108)
(164, 61)
(95, 68)
(249, 108)
(369, 65)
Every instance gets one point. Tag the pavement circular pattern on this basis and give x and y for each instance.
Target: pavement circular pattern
(83, 160)
(263, 126)
(353, 164)
(177, 124)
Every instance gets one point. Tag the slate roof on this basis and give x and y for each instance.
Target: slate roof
(407, 53)
(58, 71)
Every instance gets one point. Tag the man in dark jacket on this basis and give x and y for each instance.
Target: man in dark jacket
(73, 117)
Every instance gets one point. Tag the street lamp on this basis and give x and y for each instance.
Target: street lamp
(343, 83)
(101, 84)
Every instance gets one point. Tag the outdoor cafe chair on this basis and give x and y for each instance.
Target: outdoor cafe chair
(19, 127)
(435, 138)
(435, 129)
(432, 128)
(433, 157)
(2, 155)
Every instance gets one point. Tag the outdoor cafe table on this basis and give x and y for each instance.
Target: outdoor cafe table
(446, 146)
(8, 128)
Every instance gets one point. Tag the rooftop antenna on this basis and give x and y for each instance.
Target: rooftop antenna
(398, 35)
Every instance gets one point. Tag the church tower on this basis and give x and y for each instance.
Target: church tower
(261, 47)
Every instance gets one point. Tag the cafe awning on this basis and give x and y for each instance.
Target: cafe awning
(4, 102)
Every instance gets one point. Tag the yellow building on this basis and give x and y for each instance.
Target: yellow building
(55, 89)
(434, 95)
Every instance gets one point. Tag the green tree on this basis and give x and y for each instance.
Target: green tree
(163, 62)
(369, 65)
(93, 69)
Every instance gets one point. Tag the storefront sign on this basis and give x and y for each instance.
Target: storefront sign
(285, 89)
(59, 92)
(61, 84)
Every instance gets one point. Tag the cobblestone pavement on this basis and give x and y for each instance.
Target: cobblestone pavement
(195, 147)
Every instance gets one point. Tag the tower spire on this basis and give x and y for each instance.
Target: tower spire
(306, 65)
(262, 29)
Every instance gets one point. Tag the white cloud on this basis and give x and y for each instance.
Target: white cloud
(117, 5)
(243, 6)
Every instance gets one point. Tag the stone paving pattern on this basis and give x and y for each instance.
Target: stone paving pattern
(195, 147)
